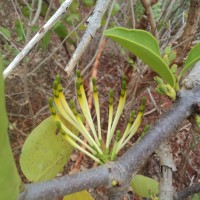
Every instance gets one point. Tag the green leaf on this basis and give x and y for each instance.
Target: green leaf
(144, 186)
(88, 2)
(74, 7)
(143, 45)
(116, 9)
(192, 58)
(19, 30)
(9, 178)
(5, 32)
(60, 30)
(196, 197)
(26, 11)
(44, 153)
(83, 195)
(46, 40)
(71, 19)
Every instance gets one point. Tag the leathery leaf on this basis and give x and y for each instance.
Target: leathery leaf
(143, 45)
(45, 152)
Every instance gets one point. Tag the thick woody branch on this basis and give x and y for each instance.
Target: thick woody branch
(122, 170)
(189, 191)
(67, 184)
(190, 30)
(94, 23)
(39, 35)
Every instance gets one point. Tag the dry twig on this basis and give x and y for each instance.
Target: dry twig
(39, 35)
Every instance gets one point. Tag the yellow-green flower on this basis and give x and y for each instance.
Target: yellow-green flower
(62, 112)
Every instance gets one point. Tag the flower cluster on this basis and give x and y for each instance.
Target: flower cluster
(66, 113)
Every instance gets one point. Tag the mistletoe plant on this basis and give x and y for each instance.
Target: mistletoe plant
(52, 142)
(62, 111)
(146, 47)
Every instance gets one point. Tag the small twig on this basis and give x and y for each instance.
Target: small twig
(37, 14)
(28, 31)
(48, 10)
(189, 191)
(59, 46)
(153, 101)
(94, 23)
(149, 13)
(132, 3)
(101, 38)
(39, 35)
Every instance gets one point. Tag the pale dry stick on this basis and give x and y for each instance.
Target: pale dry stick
(31, 24)
(48, 10)
(132, 4)
(166, 190)
(39, 35)
(186, 40)
(165, 15)
(28, 32)
(153, 101)
(147, 6)
(27, 4)
(94, 23)
(37, 14)
(90, 100)
(60, 45)
(169, 9)
(101, 38)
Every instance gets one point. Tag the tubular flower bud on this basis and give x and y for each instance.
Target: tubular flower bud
(66, 115)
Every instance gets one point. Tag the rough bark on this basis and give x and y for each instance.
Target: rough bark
(189, 31)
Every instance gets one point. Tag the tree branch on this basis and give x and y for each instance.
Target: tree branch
(67, 184)
(147, 6)
(39, 35)
(166, 190)
(94, 23)
(189, 191)
(190, 30)
(122, 170)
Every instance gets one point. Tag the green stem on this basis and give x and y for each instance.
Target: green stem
(83, 130)
(113, 154)
(81, 149)
(72, 135)
(126, 130)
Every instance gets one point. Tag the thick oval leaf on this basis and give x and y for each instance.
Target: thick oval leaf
(144, 186)
(83, 195)
(143, 45)
(9, 178)
(192, 58)
(44, 153)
